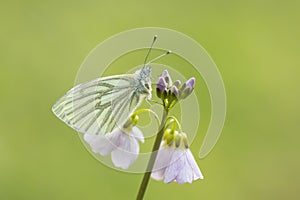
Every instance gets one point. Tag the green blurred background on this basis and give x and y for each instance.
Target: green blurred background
(255, 45)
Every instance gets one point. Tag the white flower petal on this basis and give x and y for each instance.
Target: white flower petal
(124, 148)
(158, 174)
(196, 171)
(116, 137)
(138, 134)
(161, 162)
(183, 168)
(126, 153)
(99, 144)
(186, 173)
(176, 165)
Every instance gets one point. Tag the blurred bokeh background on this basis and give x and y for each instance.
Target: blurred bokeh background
(255, 45)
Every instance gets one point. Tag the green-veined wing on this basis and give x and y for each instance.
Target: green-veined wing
(100, 105)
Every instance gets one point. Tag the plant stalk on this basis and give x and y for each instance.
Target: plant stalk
(150, 165)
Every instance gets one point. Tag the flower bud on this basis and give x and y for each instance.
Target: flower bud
(185, 140)
(183, 86)
(190, 83)
(135, 119)
(178, 139)
(177, 83)
(169, 136)
(174, 91)
(161, 86)
(187, 88)
(131, 121)
(167, 77)
(165, 73)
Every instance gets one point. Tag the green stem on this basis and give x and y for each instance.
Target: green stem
(149, 111)
(150, 165)
(171, 122)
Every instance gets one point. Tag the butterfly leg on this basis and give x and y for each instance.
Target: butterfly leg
(149, 101)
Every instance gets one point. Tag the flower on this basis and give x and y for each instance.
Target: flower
(122, 144)
(171, 92)
(174, 161)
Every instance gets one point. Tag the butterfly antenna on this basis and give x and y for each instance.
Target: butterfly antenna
(159, 57)
(147, 56)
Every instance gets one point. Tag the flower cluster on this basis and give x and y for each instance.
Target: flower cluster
(170, 93)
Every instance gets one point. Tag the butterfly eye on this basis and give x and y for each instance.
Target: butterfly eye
(147, 86)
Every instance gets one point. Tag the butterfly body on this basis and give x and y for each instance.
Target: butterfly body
(144, 82)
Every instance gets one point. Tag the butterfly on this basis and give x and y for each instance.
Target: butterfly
(99, 106)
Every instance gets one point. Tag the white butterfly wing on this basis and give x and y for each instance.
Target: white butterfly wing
(100, 105)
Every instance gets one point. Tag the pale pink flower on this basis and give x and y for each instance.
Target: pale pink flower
(122, 145)
(175, 164)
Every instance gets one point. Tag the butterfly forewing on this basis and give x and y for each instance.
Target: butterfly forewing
(99, 106)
